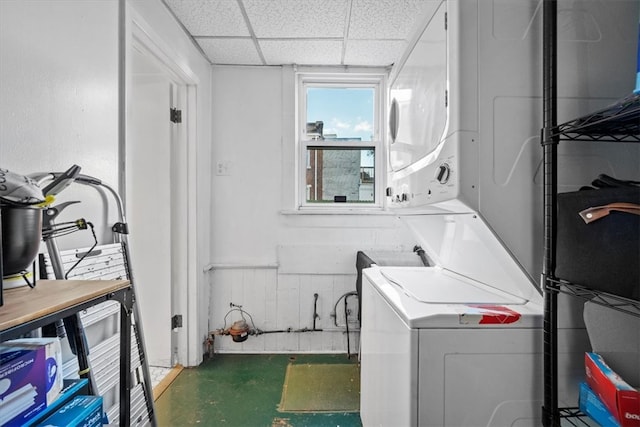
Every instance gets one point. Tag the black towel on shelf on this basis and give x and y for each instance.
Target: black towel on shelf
(603, 255)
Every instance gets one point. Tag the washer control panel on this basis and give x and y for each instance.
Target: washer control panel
(433, 183)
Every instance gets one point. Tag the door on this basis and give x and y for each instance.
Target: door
(152, 182)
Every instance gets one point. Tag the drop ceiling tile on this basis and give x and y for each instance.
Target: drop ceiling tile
(230, 51)
(378, 53)
(297, 18)
(210, 17)
(302, 52)
(385, 19)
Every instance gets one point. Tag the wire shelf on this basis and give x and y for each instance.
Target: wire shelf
(618, 122)
(616, 302)
(573, 417)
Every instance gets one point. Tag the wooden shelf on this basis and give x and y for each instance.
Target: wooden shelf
(25, 304)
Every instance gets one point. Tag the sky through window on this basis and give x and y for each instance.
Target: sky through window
(346, 112)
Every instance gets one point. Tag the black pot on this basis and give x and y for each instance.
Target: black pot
(21, 235)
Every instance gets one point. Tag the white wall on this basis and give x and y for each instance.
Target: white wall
(59, 96)
(265, 257)
(59, 105)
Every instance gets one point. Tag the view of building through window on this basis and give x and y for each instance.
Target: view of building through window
(339, 168)
(339, 175)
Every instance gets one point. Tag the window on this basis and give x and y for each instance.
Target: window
(340, 139)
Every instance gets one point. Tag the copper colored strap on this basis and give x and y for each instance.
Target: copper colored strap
(595, 213)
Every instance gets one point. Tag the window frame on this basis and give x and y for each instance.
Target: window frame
(374, 80)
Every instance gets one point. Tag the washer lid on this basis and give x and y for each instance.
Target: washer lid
(464, 243)
(440, 286)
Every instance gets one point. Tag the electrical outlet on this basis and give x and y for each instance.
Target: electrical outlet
(223, 168)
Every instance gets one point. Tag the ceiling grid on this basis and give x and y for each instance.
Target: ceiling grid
(362, 33)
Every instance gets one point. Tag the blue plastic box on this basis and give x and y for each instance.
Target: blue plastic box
(81, 411)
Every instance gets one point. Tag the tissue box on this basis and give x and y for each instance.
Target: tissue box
(82, 411)
(620, 398)
(30, 378)
(591, 405)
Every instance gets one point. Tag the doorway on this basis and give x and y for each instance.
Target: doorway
(156, 198)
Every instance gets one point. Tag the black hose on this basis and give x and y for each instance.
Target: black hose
(421, 253)
(335, 307)
(315, 310)
(346, 322)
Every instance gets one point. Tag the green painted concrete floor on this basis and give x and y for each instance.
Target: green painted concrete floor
(243, 390)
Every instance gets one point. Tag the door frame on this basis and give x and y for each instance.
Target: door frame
(138, 34)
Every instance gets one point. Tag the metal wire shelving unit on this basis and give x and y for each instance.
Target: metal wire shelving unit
(618, 123)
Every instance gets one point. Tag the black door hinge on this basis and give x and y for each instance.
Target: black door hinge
(176, 321)
(175, 115)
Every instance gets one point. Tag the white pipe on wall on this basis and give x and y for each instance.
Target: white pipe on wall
(214, 266)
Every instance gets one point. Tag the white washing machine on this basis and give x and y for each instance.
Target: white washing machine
(440, 348)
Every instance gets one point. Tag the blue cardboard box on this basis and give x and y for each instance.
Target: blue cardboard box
(30, 378)
(591, 405)
(71, 389)
(81, 411)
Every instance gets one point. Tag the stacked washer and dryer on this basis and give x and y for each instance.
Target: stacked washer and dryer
(459, 342)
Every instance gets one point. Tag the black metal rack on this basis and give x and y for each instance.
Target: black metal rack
(60, 299)
(619, 122)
